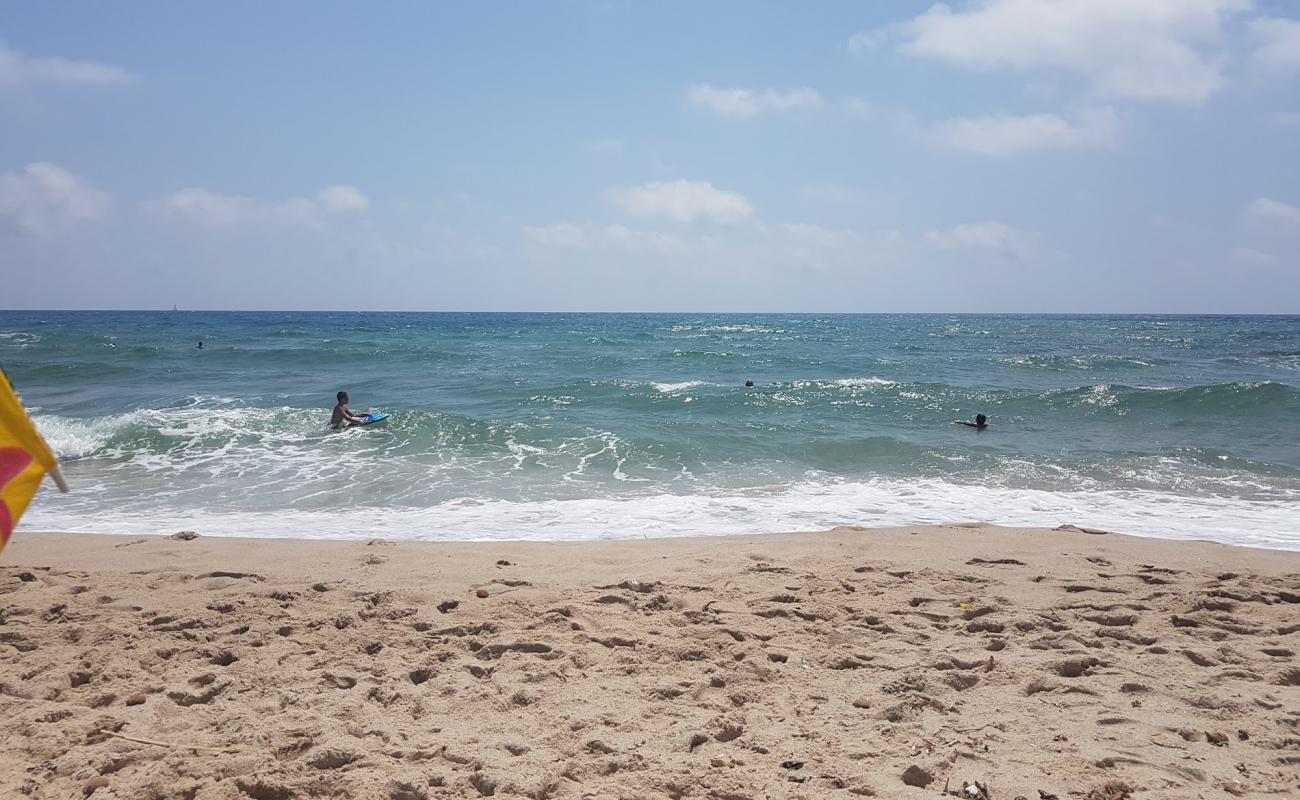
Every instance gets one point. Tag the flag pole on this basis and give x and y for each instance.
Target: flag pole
(58, 478)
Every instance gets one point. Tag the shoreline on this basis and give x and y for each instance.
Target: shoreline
(693, 667)
(640, 535)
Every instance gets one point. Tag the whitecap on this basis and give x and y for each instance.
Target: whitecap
(859, 382)
(675, 388)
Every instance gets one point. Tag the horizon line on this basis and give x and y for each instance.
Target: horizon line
(668, 312)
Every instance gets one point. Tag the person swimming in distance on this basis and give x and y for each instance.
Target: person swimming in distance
(749, 384)
(342, 414)
(981, 423)
(200, 347)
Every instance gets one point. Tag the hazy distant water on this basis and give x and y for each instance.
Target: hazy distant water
(582, 426)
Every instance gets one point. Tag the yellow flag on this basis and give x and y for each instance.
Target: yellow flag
(24, 460)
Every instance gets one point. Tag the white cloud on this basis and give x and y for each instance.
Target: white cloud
(220, 210)
(342, 198)
(834, 194)
(856, 107)
(1272, 213)
(1250, 257)
(748, 103)
(209, 208)
(1006, 134)
(608, 148)
(684, 201)
(1278, 43)
(19, 69)
(869, 40)
(303, 211)
(581, 236)
(642, 240)
(816, 246)
(813, 246)
(44, 197)
(996, 237)
(808, 234)
(1161, 50)
(561, 234)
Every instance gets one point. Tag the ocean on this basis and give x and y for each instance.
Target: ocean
(582, 426)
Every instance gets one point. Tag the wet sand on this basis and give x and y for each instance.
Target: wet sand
(850, 663)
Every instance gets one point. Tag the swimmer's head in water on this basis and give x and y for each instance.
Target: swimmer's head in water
(342, 397)
(981, 420)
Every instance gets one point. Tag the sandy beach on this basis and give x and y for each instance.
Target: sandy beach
(851, 663)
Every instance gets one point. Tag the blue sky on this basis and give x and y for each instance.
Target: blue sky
(1001, 155)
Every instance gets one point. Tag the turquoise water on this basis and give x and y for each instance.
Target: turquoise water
(583, 426)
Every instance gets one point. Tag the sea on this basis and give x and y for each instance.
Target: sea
(594, 426)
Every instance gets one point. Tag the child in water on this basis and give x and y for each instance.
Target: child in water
(981, 423)
(342, 414)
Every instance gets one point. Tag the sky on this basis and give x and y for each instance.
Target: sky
(987, 156)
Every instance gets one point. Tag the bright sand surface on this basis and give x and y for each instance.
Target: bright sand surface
(851, 663)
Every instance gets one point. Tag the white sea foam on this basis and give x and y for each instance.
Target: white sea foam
(675, 388)
(73, 438)
(859, 382)
(76, 438)
(808, 505)
(724, 329)
(19, 338)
